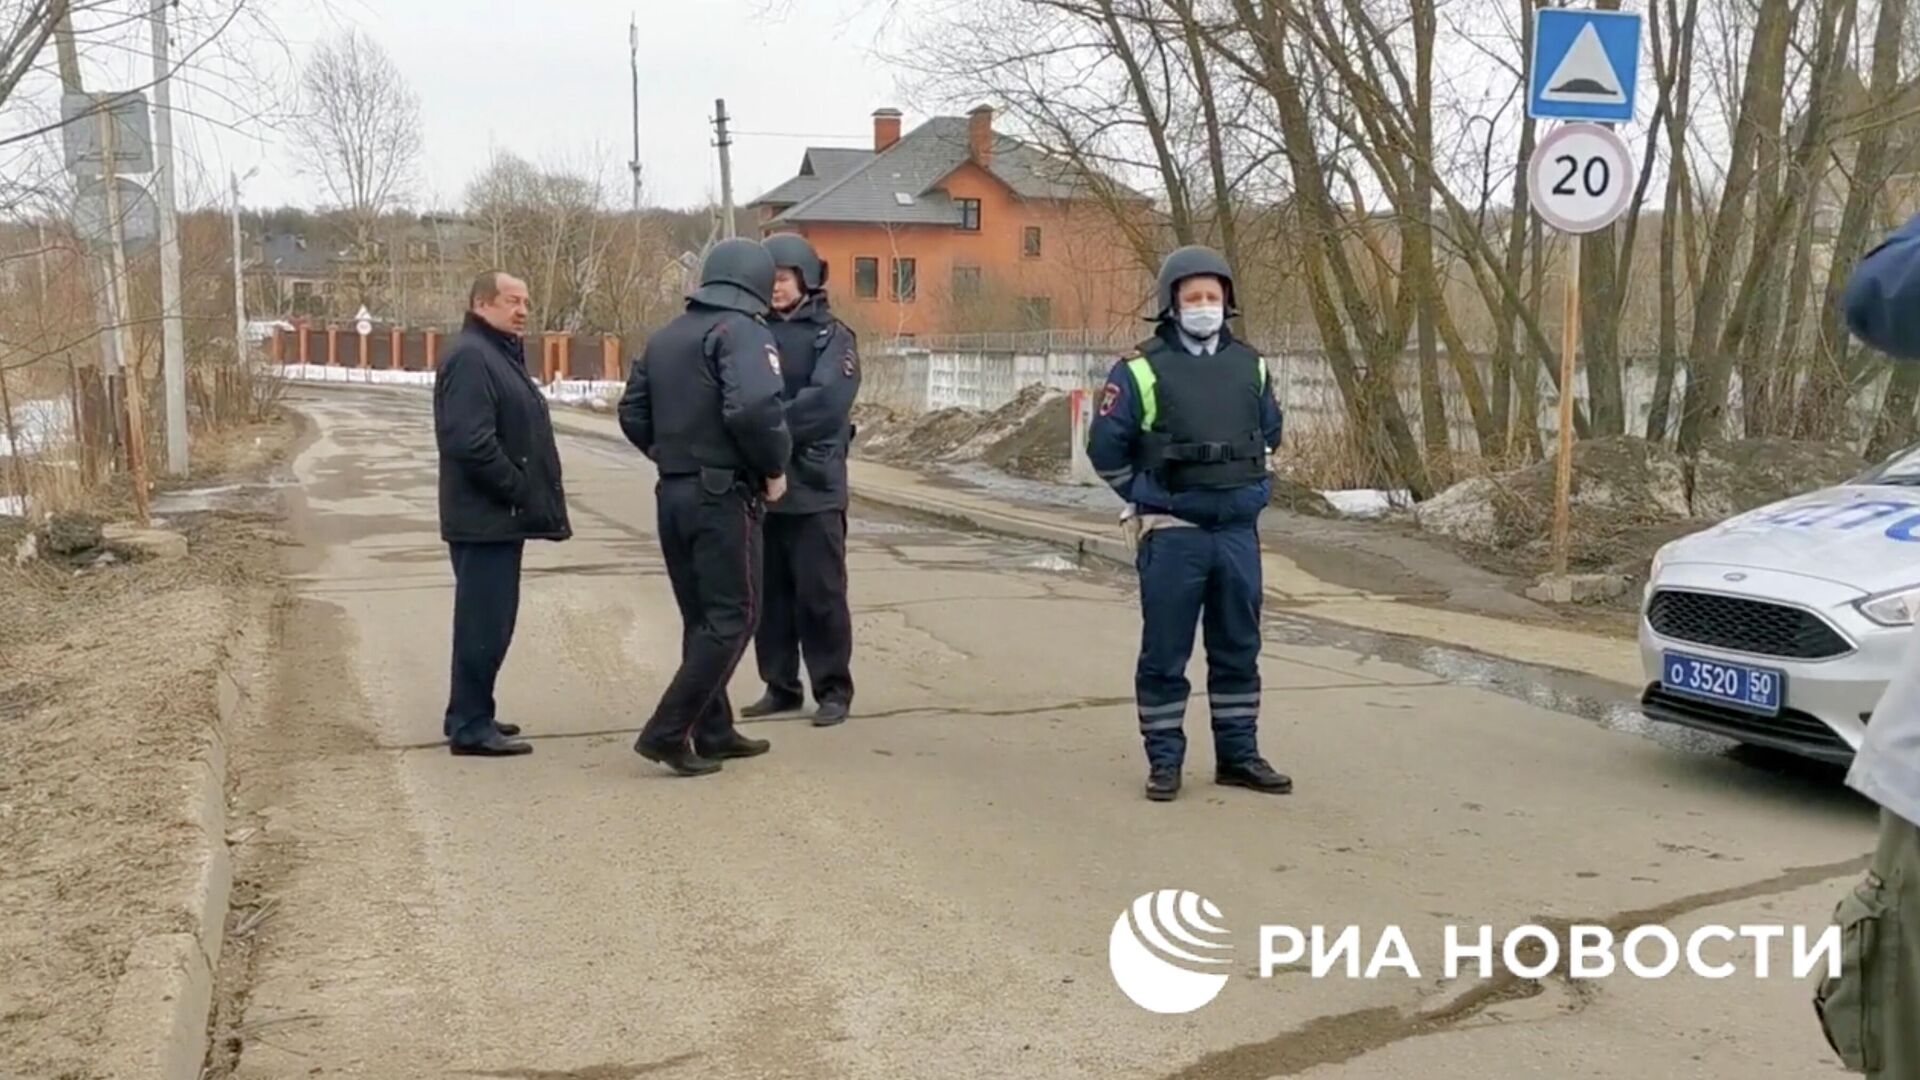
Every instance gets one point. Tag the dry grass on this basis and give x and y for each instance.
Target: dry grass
(106, 696)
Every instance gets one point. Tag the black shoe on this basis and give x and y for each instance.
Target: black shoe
(507, 729)
(772, 704)
(1163, 782)
(492, 746)
(1254, 773)
(738, 747)
(677, 756)
(829, 714)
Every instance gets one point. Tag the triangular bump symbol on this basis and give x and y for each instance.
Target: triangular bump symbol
(1585, 73)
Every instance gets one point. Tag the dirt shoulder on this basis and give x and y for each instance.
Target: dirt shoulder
(107, 700)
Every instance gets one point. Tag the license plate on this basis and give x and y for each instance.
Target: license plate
(1753, 689)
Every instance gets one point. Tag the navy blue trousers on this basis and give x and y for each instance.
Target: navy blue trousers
(1209, 578)
(486, 604)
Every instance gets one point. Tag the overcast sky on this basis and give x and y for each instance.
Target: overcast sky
(550, 81)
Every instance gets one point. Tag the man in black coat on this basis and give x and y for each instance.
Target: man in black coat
(806, 532)
(500, 486)
(703, 402)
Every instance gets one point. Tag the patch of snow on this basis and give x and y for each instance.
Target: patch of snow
(364, 376)
(1368, 502)
(41, 425)
(13, 506)
(582, 391)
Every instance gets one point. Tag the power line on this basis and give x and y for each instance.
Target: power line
(797, 135)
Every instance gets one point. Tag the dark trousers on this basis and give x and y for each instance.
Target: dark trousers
(806, 607)
(711, 541)
(1212, 578)
(486, 603)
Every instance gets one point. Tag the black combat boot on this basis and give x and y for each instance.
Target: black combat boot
(1254, 773)
(1163, 782)
(829, 714)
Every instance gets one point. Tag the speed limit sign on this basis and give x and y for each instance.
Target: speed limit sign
(1581, 177)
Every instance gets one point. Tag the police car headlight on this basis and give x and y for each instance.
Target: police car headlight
(1653, 573)
(1896, 608)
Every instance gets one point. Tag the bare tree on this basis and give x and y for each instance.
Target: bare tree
(359, 129)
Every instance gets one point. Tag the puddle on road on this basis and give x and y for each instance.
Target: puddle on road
(214, 499)
(1605, 703)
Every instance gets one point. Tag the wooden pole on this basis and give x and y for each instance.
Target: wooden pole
(1563, 478)
(130, 356)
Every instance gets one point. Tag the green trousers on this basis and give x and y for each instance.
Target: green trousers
(1871, 1011)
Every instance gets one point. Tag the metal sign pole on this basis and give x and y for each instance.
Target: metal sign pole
(1563, 475)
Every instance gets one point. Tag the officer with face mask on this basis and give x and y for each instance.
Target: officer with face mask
(1182, 434)
(704, 403)
(805, 585)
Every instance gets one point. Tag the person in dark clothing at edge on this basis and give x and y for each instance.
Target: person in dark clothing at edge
(1870, 1012)
(500, 486)
(804, 601)
(704, 403)
(1182, 434)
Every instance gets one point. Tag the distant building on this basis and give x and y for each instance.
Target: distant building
(953, 227)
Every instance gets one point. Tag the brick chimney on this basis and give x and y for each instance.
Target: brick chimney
(980, 136)
(886, 128)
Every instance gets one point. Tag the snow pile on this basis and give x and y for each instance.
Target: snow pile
(1029, 436)
(1368, 502)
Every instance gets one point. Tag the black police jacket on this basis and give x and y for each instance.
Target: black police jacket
(820, 365)
(500, 474)
(705, 394)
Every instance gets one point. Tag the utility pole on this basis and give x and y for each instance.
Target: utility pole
(173, 331)
(633, 43)
(239, 291)
(726, 166)
(136, 422)
(97, 281)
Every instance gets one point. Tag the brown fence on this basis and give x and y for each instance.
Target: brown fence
(392, 348)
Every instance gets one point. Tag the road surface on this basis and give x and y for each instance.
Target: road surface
(928, 890)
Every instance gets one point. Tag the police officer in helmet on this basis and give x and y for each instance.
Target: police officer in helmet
(805, 594)
(704, 403)
(1182, 434)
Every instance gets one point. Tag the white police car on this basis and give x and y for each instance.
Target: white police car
(1780, 627)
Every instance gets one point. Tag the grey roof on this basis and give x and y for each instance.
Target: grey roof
(898, 185)
(821, 165)
(284, 253)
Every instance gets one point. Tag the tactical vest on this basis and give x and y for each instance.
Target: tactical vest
(1200, 416)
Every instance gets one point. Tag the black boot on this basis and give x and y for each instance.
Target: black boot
(1255, 773)
(1163, 782)
(738, 746)
(829, 714)
(772, 703)
(678, 756)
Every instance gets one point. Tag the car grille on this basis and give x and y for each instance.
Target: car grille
(1791, 730)
(1743, 625)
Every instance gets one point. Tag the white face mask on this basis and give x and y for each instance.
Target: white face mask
(1202, 322)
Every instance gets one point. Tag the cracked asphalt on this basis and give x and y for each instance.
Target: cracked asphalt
(928, 890)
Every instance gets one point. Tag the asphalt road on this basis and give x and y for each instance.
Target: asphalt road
(928, 890)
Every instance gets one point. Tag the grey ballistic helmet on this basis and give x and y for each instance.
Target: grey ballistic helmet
(1190, 261)
(737, 274)
(792, 250)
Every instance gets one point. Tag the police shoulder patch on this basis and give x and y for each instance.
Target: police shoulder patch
(849, 363)
(1109, 398)
(773, 358)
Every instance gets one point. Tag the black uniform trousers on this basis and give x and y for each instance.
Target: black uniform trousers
(486, 603)
(711, 541)
(806, 607)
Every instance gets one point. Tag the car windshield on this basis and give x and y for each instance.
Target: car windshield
(1900, 470)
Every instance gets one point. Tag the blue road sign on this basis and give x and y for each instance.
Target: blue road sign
(1585, 65)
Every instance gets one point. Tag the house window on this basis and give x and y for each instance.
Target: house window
(905, 279)
(1030, 241)
(970, 215)
(1036, 312)
(866, 277)
(966, 282)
